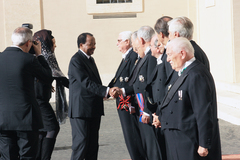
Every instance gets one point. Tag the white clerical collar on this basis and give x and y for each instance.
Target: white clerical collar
(159, 60)
(16, 47)
(84, 53)
(147, 50)
(186, 64)
(126, 53)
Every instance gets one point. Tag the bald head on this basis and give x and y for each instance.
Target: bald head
(179, 51)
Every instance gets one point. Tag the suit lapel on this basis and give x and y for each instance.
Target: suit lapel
(135, 65)
(177, 84)
(139, 65)
(91, 66)
(154, 73)
(123, 64)
(95, 70)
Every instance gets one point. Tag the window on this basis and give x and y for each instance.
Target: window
(114, 1)
(96, 7)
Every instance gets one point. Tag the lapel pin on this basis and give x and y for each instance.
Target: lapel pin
(121, 79)
(169, 87)
(141, 78)
(180, 95)
(126, 79)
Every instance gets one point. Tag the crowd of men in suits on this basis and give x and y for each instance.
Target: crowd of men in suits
(165, 96)
(170, 87)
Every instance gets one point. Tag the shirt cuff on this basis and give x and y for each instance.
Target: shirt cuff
(146, 114)
(124, 93)
(107, 92)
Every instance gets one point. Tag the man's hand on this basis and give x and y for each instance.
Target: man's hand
(132, 110)
(145, 119)
(37, 48)
(203, 152)
(115, 92)
(156, 121)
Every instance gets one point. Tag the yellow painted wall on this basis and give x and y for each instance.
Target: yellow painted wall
(236, 38)
(2, 28)
(216, 38)
(67, 19)
(15, 13)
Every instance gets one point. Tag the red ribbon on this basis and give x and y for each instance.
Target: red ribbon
(123, 102)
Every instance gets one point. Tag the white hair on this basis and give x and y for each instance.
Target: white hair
(134, 35)
(146, 32)
(21, 35)
(180, 43)
(183, 26)
(126, 35)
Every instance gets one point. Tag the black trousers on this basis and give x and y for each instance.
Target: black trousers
(85, 133)
(18, 145)
(129, 123)
(150, 141)
(161, 142)
(179, 146)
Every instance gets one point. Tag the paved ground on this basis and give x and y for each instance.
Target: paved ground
(112, 145)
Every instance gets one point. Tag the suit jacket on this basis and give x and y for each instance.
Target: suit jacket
(18, 107)
(200, 54)
(122, 75)
(86, 92)
(144, 70)
(191, 107)
(155, 90)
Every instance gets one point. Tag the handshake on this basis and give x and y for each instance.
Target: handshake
(115, 92)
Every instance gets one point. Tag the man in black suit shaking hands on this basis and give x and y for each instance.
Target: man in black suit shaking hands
(20, 116)
(86, 95)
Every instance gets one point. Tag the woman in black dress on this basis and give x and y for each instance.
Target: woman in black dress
(48, 134)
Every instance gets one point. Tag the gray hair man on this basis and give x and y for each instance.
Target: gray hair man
(18, 68)
(189, 109)
(133, 40)
(124, 41)
(144, 36)
(125, 105)
(157, 50)
(138, 82)
(161, 27)
(183, 27)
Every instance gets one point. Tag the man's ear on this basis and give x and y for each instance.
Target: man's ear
(80, 45)
(161, 34)
(28, 43)
(127, 41)
(176, 34)
(141, 40)
(183, 54)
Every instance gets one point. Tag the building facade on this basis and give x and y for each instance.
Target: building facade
(216, 27)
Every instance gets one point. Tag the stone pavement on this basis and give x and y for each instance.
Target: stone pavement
(112, 145)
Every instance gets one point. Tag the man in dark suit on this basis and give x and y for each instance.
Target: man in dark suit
(161, 27)
(155, 89)
(180, 27)
(86, 95)
(188, 113)
(126, 105)
(183, 27)
(20, 116)
(138, 82)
